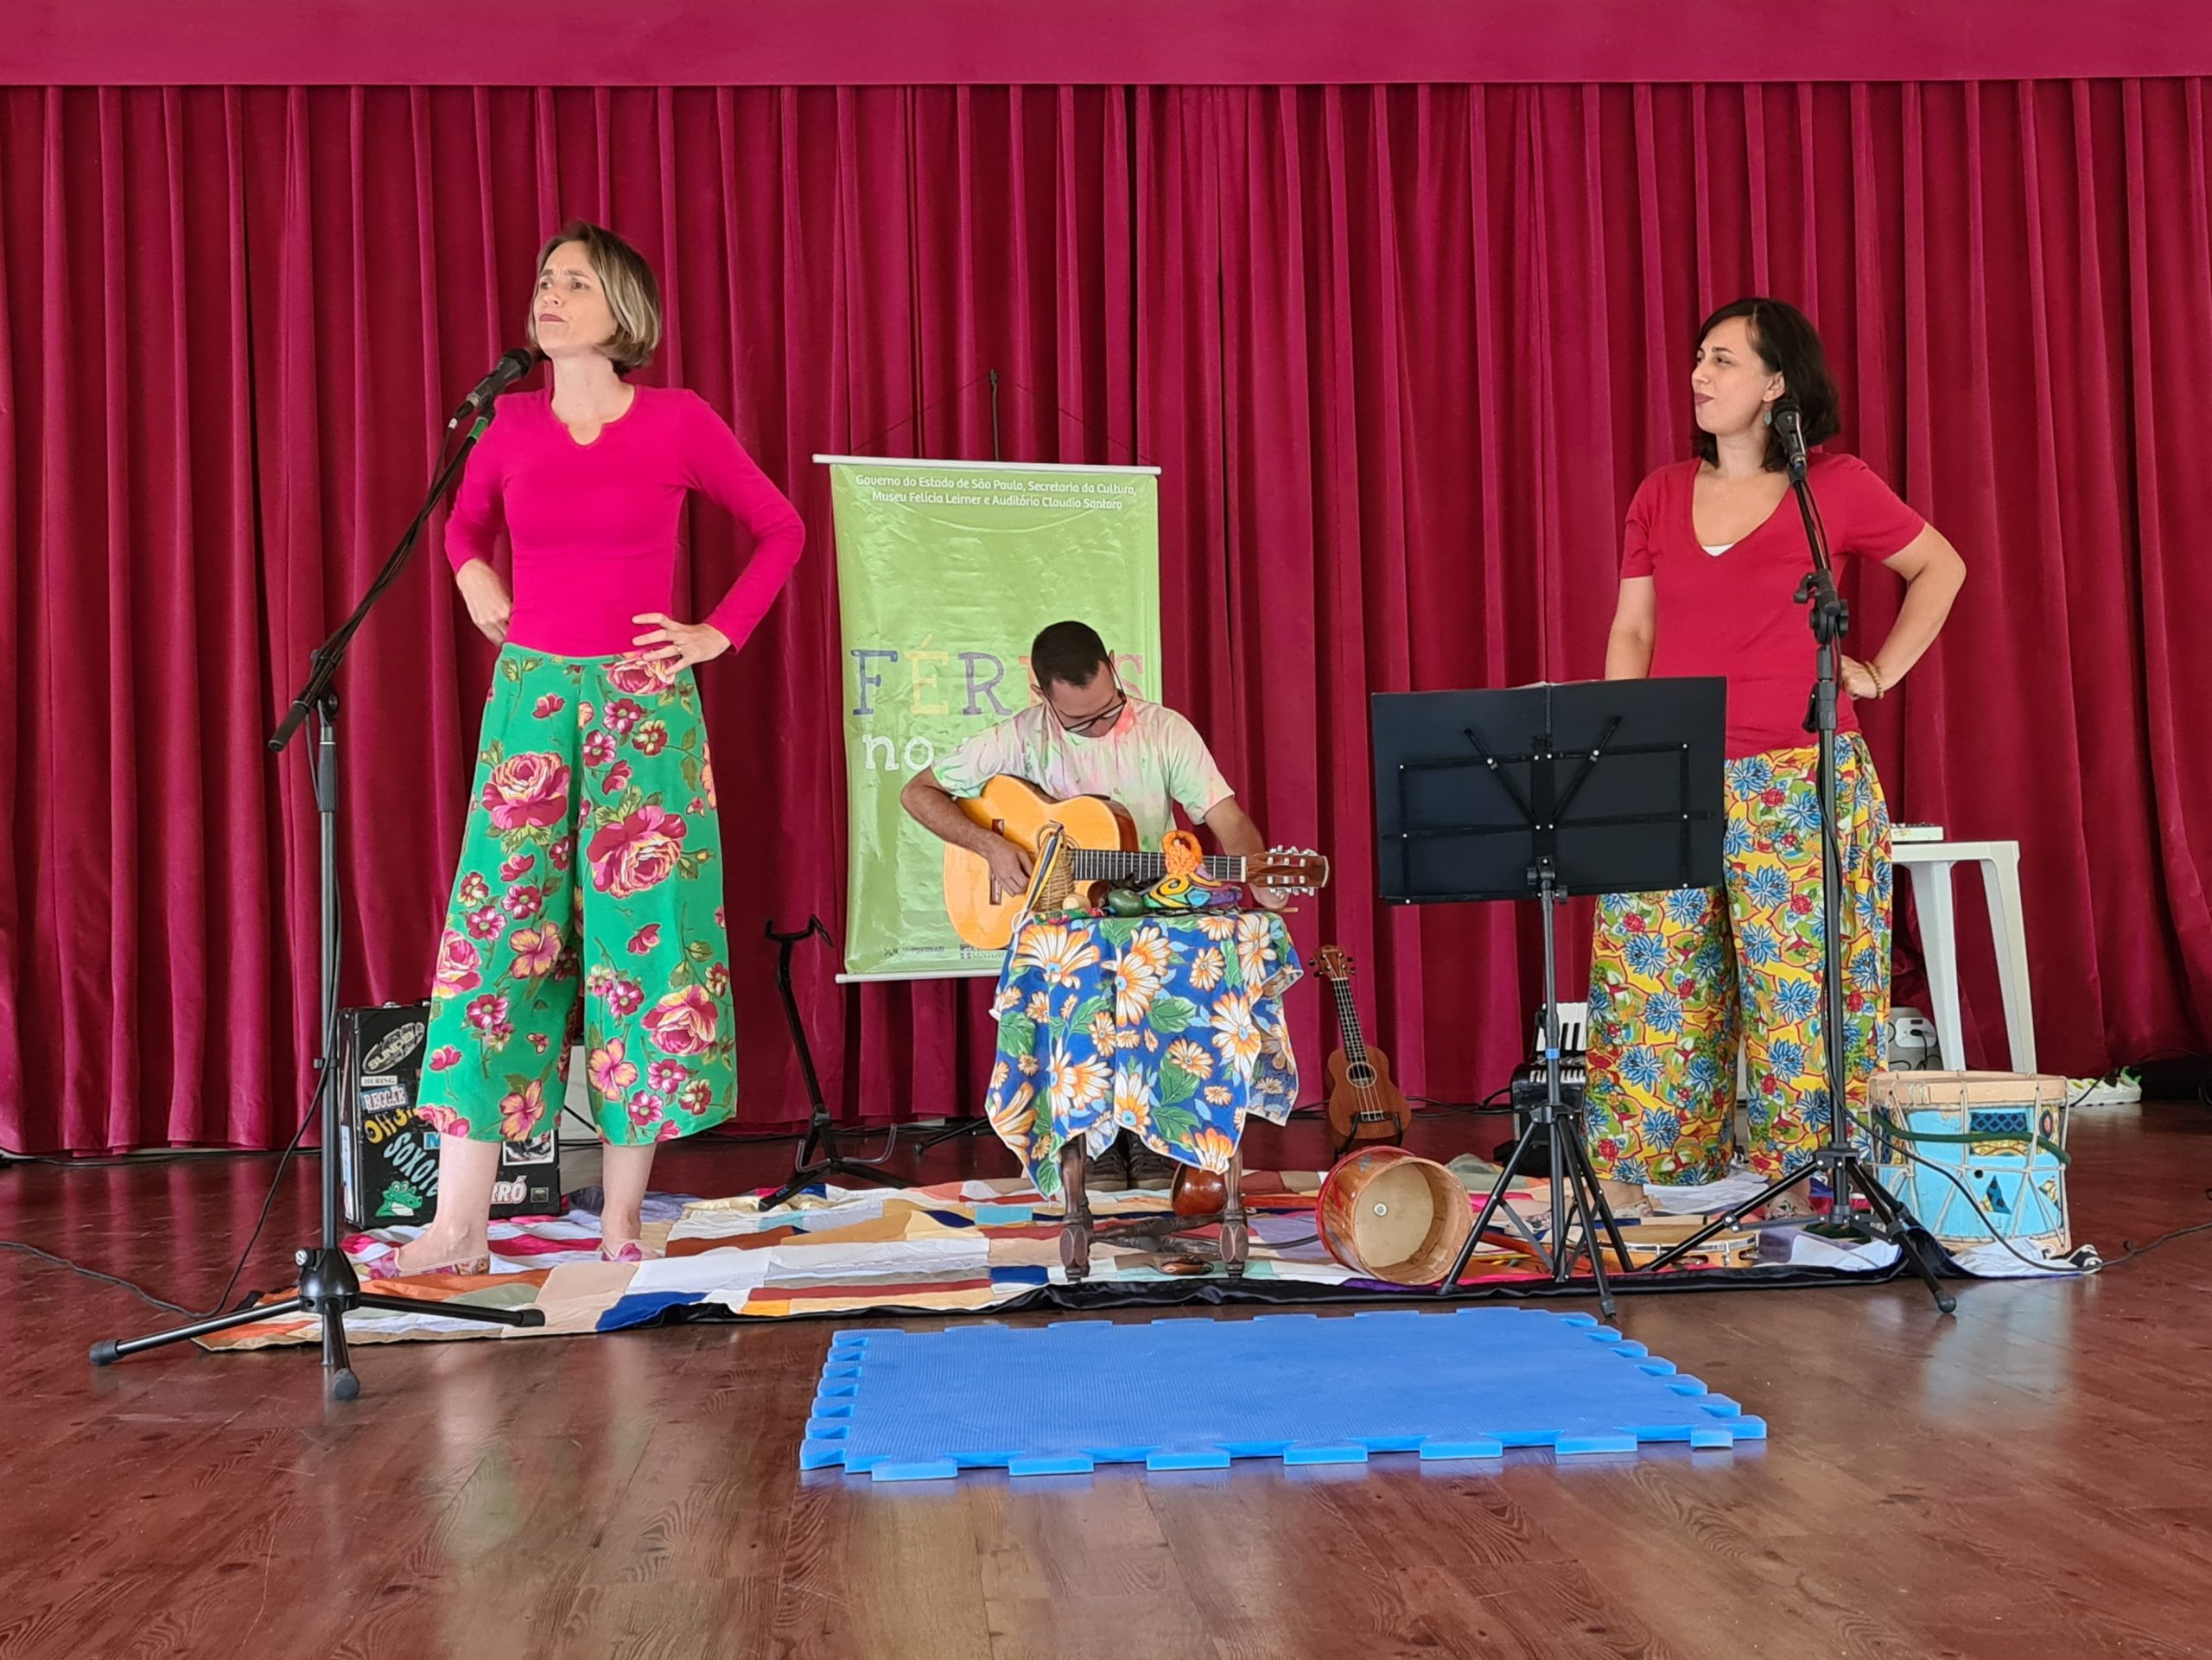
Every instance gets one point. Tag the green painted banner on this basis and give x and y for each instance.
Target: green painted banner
(946, 572)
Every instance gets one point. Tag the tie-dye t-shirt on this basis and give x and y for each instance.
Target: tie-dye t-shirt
(1152, 761)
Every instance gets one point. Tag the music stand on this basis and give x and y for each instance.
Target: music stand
(1541, 792)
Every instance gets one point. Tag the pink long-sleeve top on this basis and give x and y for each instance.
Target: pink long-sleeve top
(592, 526)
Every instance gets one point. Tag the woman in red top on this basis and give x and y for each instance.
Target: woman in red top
(591, 863)
(1710, 559)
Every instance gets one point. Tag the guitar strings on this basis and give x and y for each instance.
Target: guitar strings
(1369, 1092)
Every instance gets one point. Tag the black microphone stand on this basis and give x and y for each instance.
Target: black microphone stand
(328, 1286)
(1838, 1159)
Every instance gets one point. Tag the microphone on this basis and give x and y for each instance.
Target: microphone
(509, 369)
(1789, 420)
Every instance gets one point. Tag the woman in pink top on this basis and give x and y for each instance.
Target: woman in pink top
(591, 859)
(1710, 559)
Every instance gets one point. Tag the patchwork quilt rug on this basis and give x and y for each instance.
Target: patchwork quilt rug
(956, 1248)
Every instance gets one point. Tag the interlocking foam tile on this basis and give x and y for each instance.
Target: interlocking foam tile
(1192, 1394)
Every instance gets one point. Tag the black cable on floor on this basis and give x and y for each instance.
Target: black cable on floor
(2130, 1251)
(132, 1286)
(223, 1302)
(275, 1182)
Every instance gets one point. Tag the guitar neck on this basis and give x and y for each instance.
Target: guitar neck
(1348, 1022)
(1117, 865)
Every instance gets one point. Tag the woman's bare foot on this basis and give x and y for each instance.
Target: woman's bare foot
(616, 1231)
(455, 1239)
(436, 1252)
(625, 1174)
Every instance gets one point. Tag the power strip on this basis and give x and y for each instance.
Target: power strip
(1913, 1046)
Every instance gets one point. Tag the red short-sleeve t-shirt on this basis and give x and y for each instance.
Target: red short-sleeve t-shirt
(1732, 613)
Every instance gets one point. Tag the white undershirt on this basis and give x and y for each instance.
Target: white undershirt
(1716, 552)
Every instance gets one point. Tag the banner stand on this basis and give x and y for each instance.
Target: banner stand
(946, 571)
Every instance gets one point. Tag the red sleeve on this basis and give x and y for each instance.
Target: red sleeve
(477, 515)
(1640, 532)
(715, 465)
(1862, 513)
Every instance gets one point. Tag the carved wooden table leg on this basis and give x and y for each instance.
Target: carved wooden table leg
(1075, 1215)
(1236, 1239)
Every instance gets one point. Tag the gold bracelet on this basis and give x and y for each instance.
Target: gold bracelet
(1875, 675)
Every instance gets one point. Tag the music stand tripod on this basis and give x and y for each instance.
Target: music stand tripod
(819, 1128)
(1542, 793)
(328, 1285)
(1838, 1158)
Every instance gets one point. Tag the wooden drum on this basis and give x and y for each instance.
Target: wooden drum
(1387, 1214)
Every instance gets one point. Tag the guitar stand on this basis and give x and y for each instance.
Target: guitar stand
(1354, 1144)
(820, 1131)
(951, 1132)
(1161, 1233)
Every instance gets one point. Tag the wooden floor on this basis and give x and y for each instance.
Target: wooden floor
(2033, 1477)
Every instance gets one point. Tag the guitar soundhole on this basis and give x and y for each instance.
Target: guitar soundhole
(1359, 1078)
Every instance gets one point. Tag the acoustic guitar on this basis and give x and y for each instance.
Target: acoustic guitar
(1365, 1103)
(1075, 843)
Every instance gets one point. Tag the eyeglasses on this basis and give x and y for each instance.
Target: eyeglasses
(1105, 716)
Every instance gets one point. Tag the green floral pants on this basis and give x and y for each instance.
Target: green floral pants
(591, 864)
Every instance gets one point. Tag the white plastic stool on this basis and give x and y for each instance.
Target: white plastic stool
(1930, 864)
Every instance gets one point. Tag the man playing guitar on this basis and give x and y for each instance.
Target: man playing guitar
(1087, 735)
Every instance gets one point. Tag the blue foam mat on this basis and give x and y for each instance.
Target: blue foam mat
(1194, 1394)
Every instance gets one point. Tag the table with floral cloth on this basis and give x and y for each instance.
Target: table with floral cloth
(1168, 1025)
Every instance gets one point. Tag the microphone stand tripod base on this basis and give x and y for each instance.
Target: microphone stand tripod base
(328, 1287)
(1837, 1158)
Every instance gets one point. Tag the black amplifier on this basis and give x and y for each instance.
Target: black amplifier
(389, 1157)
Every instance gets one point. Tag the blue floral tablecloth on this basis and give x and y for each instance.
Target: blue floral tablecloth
(1168, 1025)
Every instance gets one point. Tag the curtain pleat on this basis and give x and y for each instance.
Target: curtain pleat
(1403, 354)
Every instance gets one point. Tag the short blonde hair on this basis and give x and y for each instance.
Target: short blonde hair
(632, 292)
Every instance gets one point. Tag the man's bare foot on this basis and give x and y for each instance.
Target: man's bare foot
(1625, 1197)
(1786, 1206)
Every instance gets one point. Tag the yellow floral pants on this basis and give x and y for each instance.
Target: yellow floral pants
(1675, 979)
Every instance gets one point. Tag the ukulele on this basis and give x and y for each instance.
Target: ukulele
(1364, 1105)
(1087, 839)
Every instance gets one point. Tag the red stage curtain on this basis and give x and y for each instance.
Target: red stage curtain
(1402, 352)
(1005, 42)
